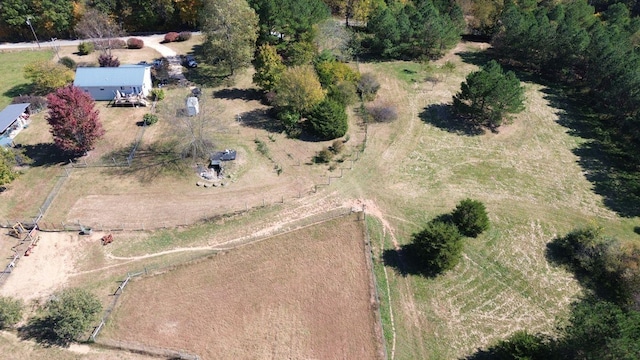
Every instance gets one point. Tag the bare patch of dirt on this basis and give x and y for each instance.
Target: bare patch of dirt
(47, 268)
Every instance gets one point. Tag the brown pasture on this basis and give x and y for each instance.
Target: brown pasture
(305, 294)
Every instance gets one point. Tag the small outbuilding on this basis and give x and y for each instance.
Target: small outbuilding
(193, 106)
(218, 157)
(105, 83)
(13, 119)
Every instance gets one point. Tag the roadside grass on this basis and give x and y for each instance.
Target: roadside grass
(126, 56)
(186, 47)
(13, 81)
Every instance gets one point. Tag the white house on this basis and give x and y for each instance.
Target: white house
(103, 82)
(12, 119)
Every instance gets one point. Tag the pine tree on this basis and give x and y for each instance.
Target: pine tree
(489, 95)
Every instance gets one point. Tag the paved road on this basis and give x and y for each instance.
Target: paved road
(152, 41)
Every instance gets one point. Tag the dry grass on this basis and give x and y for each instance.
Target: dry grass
(126, 56)
(185, 47)
(299, 295)
(12, 348)
(533, 188)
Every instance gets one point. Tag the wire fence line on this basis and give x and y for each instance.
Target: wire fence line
(81, 224)
(373, 284)
(164, 266)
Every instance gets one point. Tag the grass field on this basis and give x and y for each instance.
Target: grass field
(13, 80)
(304, 294)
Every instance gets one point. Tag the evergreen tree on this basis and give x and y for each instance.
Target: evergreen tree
(328, 120)
(438, 246)
(489, 95)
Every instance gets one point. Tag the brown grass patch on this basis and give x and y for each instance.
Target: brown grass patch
(299, 295)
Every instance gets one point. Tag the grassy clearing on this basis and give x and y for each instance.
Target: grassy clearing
(13, 81)
(421, 165)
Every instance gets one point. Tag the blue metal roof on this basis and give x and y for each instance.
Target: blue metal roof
(110, 76)
(10, 114)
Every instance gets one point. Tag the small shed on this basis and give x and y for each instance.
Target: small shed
(104, 83)
(218, 157)
(12, 120)
(193, 107)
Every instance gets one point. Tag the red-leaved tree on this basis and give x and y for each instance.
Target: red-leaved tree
(74, 120)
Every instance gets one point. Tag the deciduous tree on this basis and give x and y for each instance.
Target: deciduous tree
(299, 89)
(98, 27)
(7, 162)
(72, 312)
(488, 96)
(269, 67)
(74, 121)
(231, 30)
(47, 76)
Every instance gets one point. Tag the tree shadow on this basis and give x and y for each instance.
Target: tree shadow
(45, 154)
(19, 90)
(40, 329)
(405, 262)
(239, 94)
(442, 117)
(478, 58)
(607, 159)
(260, 119)
(205, 75)
(150, 162)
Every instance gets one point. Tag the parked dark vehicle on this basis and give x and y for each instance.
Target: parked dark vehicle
(190, 61)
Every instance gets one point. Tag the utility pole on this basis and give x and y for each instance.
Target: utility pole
(55, 47)
(33, 31)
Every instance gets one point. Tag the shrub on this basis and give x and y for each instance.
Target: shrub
(10, 311)
(68, 62)
(85, 48)
(344, 92)
(337, 146)
(106, 60)
(37, 103)
(171, 36)
(438, 247)
(368, 87)
(150, 119)
(289, 120)
(323, 156)
(332, 72)
(184, 36)
(470, 216)
(382, 113)
(135, 43)
(157, 94)
(328, 119)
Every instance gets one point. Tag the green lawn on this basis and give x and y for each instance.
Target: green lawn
(13, 82)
